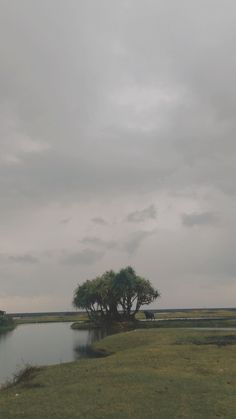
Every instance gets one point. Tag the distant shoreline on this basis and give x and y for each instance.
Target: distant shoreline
(162, 310)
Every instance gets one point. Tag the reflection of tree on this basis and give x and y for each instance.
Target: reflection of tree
(85, 350)
(4, 334)
(98, 334)
(81, 351)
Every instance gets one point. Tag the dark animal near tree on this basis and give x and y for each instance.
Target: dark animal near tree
(149, 315)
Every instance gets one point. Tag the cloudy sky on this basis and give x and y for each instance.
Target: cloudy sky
(117, 147)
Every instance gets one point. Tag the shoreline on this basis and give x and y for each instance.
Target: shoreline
(133, 374)
(159, 324)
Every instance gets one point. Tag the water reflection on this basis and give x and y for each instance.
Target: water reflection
(43, 344)
(5, 334)
(84, 350)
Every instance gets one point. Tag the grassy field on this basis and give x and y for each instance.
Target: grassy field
(185, 323)
(159, 315)
(155, 373)
(177, 315)
(51, 318)
(198, 313)
(229, 323)
(191, 313)
(175, 318)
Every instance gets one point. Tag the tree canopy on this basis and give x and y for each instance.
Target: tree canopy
(114, 296)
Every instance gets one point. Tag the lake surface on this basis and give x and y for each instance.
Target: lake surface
(42, 344)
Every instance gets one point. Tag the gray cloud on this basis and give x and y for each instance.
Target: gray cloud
(85, 257)
(107, 106)
(27, 258)
(151, 124)
(135, 240)
(99, 220)
(196, 219)
(142, 215)
(97, 242)
(65, 220)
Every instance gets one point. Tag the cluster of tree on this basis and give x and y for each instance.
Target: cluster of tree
(114, 296)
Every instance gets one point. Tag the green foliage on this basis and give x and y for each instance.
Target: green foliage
(6, 322)
(114, 296)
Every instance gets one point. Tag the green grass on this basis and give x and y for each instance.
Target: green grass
(173, 323)
(194, 313)
(51, 319)
(155, 373)
(188, 323)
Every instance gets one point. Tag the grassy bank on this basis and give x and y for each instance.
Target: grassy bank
(177, 315)
(193, 313)
(164, 373)
(185, 323)
(28, 319)
(157, 324)
(112, 327)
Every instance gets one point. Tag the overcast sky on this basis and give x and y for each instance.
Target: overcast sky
(117, 147)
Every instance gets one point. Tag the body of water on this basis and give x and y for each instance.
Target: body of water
(42, 344)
